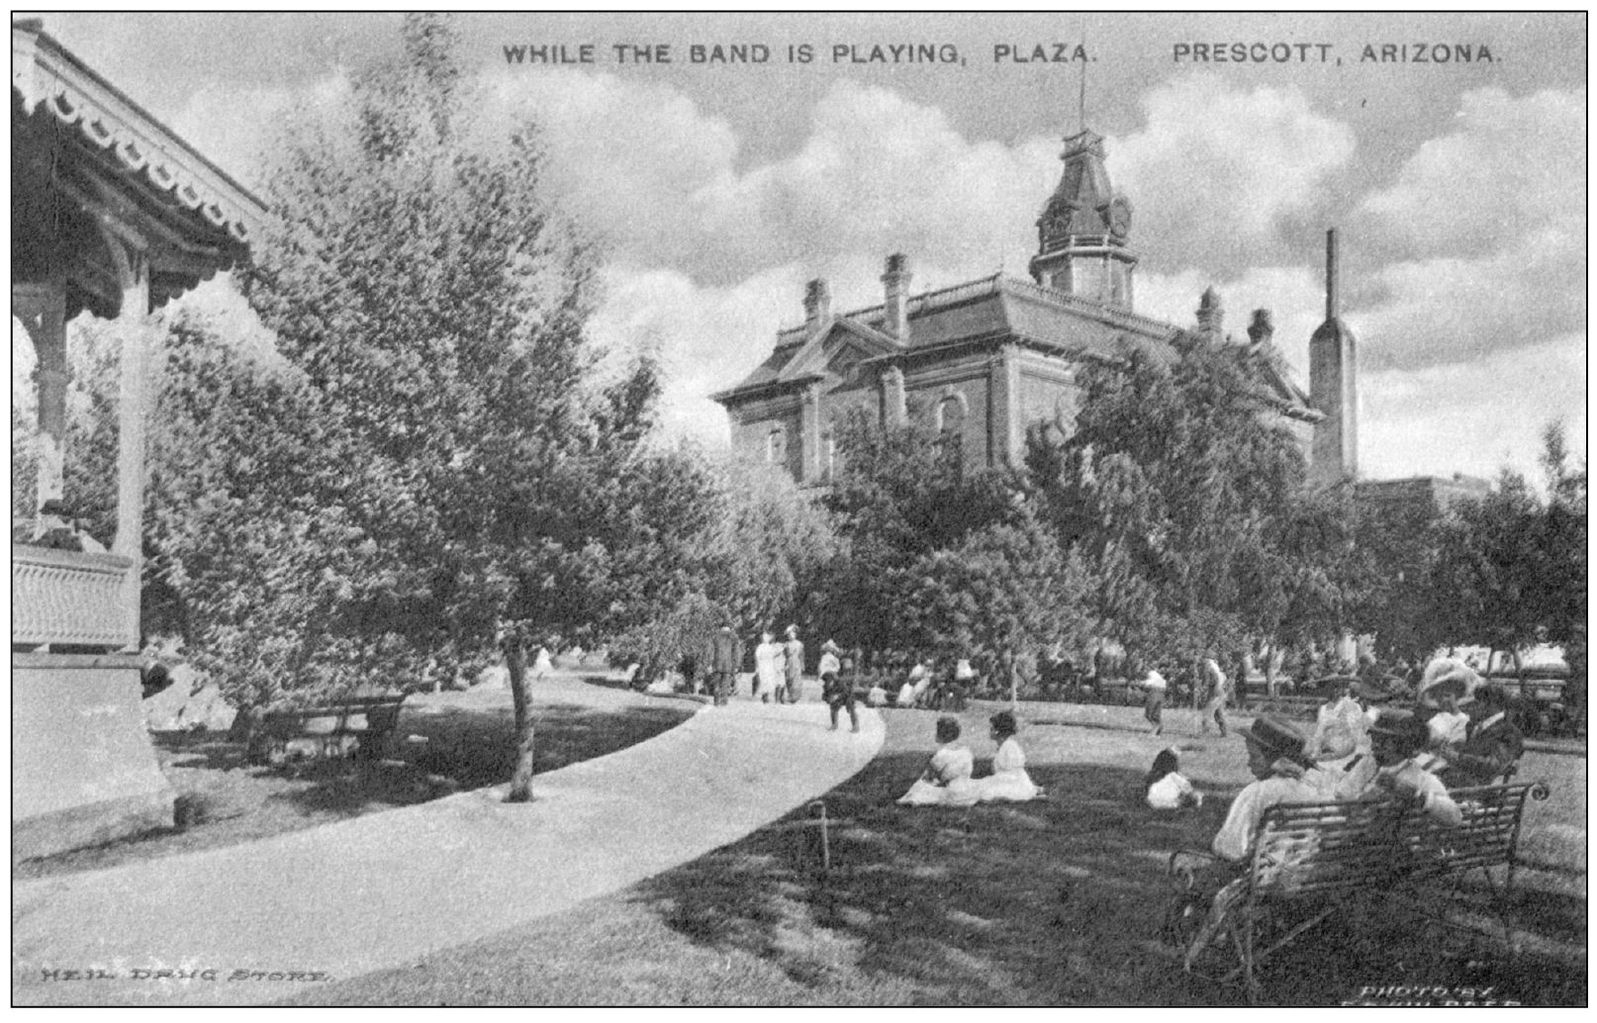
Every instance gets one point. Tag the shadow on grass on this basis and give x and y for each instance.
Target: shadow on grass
(225, 800)
(1051, 902)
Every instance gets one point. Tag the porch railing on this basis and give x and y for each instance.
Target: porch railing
(69, 599)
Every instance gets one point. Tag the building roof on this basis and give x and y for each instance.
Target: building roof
(83, 139)
(989, 309)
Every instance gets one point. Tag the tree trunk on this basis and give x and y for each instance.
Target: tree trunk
(521, 694)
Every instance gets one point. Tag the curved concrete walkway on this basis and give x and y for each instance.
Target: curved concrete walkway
(381, 890)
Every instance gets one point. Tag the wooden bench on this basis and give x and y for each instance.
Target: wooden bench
(355, 726)
(1308, 858)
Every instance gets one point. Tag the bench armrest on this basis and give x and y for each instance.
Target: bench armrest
(1185, 864)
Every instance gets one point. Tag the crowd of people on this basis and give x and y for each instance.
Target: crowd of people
(1357, 748)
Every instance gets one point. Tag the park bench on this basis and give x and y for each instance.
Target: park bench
(356, 725)
(1309, 858)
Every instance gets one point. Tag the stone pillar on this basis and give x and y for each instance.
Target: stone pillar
(1004, 434)
(42, 310)
(895, 409)
(810, 434)
(133, 269)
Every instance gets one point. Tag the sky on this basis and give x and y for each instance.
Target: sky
(715, 190)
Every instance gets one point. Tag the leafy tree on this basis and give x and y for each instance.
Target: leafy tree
(1183, 490)
(418, 278)
(903, 494)
(1005, 591)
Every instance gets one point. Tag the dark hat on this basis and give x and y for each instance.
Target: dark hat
(1277, 736)
(56, 506)
(1408, 731)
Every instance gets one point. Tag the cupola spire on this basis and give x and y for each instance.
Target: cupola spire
(1084, 232)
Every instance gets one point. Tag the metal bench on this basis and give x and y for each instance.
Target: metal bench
(1308, 858)
(356, 726)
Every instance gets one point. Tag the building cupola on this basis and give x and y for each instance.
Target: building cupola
(1084, 231)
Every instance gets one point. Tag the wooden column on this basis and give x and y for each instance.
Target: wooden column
(133, 271)
(42, 309)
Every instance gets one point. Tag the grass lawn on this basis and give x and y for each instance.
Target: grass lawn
(1052, 902)
(470, 744)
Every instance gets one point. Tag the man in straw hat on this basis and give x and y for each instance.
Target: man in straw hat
(1278, 758)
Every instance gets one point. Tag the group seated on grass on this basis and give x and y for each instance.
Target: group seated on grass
(948, 779)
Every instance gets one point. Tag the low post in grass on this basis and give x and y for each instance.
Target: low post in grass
(513, 643)
(826, 838)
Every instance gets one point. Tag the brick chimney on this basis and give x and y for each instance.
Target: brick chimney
(1211, 314)
(817, 302)
(1261, 329)
(895, 282)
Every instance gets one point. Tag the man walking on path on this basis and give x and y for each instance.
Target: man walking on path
(725, 657)
(793, 663)
(1219, 694)
(1154, 685)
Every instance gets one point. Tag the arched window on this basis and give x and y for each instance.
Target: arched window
(950, 423)
(776, 446)
(830, 462)
(951, 415)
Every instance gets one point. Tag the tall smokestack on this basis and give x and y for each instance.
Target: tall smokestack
(1332, 311)
(895, 318)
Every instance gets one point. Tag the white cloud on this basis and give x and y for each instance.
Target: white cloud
(709, 338)
(1215, 170)
(1492, 218)
(1512, 167)
(659, 181)
(1474, 417)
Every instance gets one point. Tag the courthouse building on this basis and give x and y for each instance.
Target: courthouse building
(986, 360)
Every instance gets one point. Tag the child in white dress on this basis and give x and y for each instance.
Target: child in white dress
(1168, 788)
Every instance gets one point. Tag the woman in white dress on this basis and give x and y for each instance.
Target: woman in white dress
(1009, 781)
(768, 668)
(946, 781)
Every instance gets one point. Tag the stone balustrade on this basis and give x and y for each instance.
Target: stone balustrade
(65, 598)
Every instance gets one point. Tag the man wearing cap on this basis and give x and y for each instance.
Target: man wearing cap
(1219, 694)
(1398, 738)
(830, 652)
(1154, 687)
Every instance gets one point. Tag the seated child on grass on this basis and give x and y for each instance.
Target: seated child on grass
(1167, 787)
